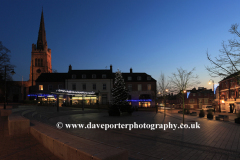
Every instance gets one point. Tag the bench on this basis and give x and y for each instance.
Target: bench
(193, 114)
(222, 117)
(18, 125)
(67, 146)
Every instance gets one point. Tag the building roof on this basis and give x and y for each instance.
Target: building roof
(89, 74)
(230, 76)
(42, 41)
(52, 77)
(60, 77)
(134, 76)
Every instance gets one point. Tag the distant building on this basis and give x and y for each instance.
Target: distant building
(229, 93)
(193, 99)
(141, 86)
(142, 89)
(199, 99)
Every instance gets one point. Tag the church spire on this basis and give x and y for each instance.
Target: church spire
(42, 42)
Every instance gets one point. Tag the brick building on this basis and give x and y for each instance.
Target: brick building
(229, 93)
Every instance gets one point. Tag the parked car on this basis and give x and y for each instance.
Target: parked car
(208, 108)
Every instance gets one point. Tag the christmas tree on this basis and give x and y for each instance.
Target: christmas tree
(119, 91)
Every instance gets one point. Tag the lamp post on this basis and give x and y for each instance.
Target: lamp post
(164, 94)
(183, 102)
(5, 98)
(212, 81)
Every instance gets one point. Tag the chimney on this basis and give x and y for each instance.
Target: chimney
(130, 70)
(70, 68)
(111, 68)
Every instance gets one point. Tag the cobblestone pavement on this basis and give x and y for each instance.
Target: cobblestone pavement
(214, 139)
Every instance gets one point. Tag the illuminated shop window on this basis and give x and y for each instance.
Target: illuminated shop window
(40, 87)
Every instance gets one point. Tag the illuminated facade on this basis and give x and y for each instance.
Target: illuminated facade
(142, 89)
(40, 55)
(229, 94)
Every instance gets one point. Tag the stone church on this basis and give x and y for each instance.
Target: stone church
(40, 63)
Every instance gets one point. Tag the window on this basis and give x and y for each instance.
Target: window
(104, 76)
(93, 75)
(199, 94)
(206, 100)
(191, 100)
(238, 92)
(139, 78)
(74, 76)
(94, 87)
(149, 87)
(84, 86)
(41, 62)
(83, 75)
(148, 78)
(139, 87)
(129, 78)
(60, 86)
(40, 87)
(50, 87)
(74, 87)
(104, 86)
(232, 94)
(36, 62)
(130, 87)
(194, 94)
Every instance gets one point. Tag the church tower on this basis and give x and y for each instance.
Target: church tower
(41, 55)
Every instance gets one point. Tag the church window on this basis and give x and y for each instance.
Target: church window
(40, 87)
(36, 62)
(41, 62)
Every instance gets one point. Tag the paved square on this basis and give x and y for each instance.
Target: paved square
(214, 139)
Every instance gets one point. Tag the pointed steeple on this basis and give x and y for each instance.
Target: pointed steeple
(42, 42)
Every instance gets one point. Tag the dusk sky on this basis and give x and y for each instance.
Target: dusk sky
(151, 36)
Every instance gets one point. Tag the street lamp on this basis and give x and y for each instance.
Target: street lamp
(212, 81)
(184, 91)
(164, 94)
(5, 98)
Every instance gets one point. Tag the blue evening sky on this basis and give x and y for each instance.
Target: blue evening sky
(151, 36)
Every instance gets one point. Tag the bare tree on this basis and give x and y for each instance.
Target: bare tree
(228, 62)
(181, 81)
(5, 61)
(163, 87)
